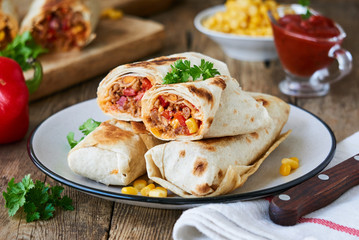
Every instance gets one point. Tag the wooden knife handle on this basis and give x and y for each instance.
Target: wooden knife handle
(317, 192)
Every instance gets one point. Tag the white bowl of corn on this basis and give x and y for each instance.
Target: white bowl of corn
(241, 28)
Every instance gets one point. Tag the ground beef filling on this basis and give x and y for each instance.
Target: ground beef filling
(128, 99)
(171, 116)
(62, 29)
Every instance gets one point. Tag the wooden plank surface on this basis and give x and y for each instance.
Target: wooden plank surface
(117, 42)
(95, 218)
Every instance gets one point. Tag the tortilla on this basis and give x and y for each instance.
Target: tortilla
(119, 93)
(112, 154)
(62, 25)
(9, 24)
(213, 167)
(215, 107)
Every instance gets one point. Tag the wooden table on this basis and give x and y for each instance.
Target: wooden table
(95, 218)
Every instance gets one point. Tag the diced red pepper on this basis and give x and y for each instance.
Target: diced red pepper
(180, 118)
(122, 101)
(146, 84)
(130, 92)
(163, 102)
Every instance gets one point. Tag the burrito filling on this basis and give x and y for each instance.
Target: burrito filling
(5, 37)
(126, 94)
(61, 29)
(172, 115)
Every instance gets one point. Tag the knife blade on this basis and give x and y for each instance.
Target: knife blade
(286, 208)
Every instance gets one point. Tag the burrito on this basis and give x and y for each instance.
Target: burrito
(9, 25)
(215, 107)
(120, 92)
(113, 154)
(62, 25)
(217, 166)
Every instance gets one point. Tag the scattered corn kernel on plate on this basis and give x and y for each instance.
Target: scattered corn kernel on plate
(308, 149)
(247, 38)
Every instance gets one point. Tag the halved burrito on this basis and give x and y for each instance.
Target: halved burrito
(217, 166)
(120, 92)
(113, 154)
(9, 25)
(62, 25)
(215, 107)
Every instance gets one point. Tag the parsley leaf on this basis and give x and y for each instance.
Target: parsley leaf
(85, 128)
(22, 49)
(305, 3)
(38, 200)
(181, 71)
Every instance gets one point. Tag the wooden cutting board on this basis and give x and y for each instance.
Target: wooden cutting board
(117, 42)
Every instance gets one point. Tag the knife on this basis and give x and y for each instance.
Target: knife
(286, 208)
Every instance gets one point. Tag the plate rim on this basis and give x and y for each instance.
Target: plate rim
(180, 201)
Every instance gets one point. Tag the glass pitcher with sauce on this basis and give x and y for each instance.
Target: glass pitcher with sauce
(307, 48)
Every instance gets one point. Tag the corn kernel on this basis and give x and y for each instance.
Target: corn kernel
(129, 190)
(111, 13)
(192, 125)
(146, 190)
(285, 169)
(161, 109)
(158, 192)
(175, 123)
(155, 131)
(77, 29)
(2, 35)
(128, 79)
(295, 159)
(293, 163)
(139, 184)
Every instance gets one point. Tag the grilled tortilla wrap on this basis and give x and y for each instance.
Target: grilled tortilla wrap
(216, 166)
(113, 154)
(9, 25)
(62, 25)
(119, 93)
(216, 107)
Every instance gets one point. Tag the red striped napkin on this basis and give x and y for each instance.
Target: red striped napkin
(250, 219)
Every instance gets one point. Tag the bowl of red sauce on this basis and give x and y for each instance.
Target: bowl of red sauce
(307, 43)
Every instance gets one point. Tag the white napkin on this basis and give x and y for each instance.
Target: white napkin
(250, 219)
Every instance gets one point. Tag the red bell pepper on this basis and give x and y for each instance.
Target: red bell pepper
(14, 97)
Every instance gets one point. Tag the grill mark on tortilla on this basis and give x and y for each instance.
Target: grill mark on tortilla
(111, 134)
(217, 81)
(264, 102)
(202, 189)
(200, 167)
(202, 93)
(156, 61)
(139, 127)
(252, 119)
(248, 140)
(255, 135)
(235, 111)
(220, 174)
(207, 145)
(210, 121)
(182, 153)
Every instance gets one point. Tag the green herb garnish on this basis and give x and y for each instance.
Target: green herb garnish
(22, 49)
(38, 200)
(85, 128)
(305, 3)
(182, 71)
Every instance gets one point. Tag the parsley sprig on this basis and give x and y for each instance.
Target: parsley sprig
(85, 128)
(305, 3)
(37, 199)
(182, 71)
(22, 49)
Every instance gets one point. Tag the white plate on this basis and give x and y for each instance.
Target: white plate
(311, 140)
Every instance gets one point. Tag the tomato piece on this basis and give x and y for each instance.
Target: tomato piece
(163, 102)
(167, 114)
(180, 118)
(146, 84)
(122, 101)
(129, 92)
